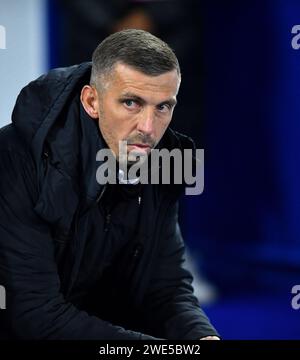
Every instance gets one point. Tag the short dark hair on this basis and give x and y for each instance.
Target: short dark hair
(137, 48)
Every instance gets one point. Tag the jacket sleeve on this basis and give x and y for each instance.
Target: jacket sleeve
(172, 311)
(35, 307)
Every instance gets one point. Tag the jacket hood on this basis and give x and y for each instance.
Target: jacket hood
(63, 141)
(42, 101)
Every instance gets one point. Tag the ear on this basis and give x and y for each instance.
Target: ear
(90, 101)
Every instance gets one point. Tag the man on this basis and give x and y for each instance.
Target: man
(80, 260)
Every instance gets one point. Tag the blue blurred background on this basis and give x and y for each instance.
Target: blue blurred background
(240, 101)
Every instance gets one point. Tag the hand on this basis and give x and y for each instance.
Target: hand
(210, 338)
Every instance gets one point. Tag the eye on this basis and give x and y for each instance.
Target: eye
(164, 107)
(129, 103)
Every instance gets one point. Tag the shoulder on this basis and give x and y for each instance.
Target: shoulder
(15, 158)
(10, 141)
(12, 145)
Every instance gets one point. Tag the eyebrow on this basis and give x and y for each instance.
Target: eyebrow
(137, 98)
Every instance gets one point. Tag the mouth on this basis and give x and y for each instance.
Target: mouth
(140, 146)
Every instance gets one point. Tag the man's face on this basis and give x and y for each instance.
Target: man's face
(136, 108)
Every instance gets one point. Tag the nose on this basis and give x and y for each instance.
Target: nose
(146, 122)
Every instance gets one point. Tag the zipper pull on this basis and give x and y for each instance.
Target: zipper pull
(139, 200)
(137, 251)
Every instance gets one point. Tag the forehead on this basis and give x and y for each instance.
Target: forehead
(127, 79)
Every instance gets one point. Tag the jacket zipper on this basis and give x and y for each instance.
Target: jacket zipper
(108, 215)
(107, 222)
(138, 247)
